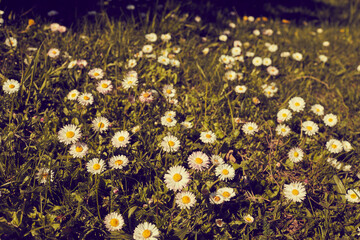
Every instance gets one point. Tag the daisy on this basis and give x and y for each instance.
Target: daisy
(78, 150)
(297, 56)
(72, 64)
(165, 37)
(118, 162)
(205, 51)
(285, 54)
(273, 71)
(187, 124)
(237, 43)
(104, 86)
(326, 43)
(170, 114)
(335, 163)
(114, 221)
(250, 128)
(216, 198)
(53, 52)
(147, 48)
(44, 175)
(236, 51)
(136, 129)
(169, 91)
(223, 38)
(284, 115)
(334, 146)
(219, 222)
(146, 97)
(240, 89)
(96, 166)
(226, 192)
(297, 104)
(168, 121)
(283, 130)
(323, 58)
(176, 178)
(81, 63)
(11, 86)
(54, 27)
(170, 144)
(310, 128)
(248, 218)
(132, 63)
(11, 42)
(163, 60)
(230, 75)
(273, 47)
(176, 49)
(330, 120)
(207, 137)
(100, 124)
(174, 62)
(216, 160)
(225, 172)
(120, 139)
(86, 99)
(96, 73)
(266, 62)
(185, 200)
(317, 109)
(353, 196)
(146, 231)
(198, 160)
(257, 61)
(296, 155)
(347, 146)
(151, 37)
(129, 82)
(295, 191)
(69, 134)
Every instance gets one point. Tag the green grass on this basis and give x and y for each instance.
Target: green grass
(75, 203)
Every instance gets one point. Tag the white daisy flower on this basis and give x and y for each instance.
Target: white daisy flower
(174, 63)
(273, 47)
(69, 134)
(11, 86)
(240, 89)
(285, 54)
(118, 162)
(129, 82)
(165, 37)
(284, 115)
(323, 58)
(96, 166)
(310, 128)
(248, 218)
(168, 121)
(226, 192)
(358, 68)
(120, 139)
(326, 43)
(185, 200)
(297, 56)
(146, 97)
(256, 32)
(295, 191)
(230, 75)
(257, 61)
(100, 124)
(147, 48)
(334, 146)
(114, 221)
(96, 73)
(330, 120)
(170, 144)
(131, 63)
(170, 114)
(169, 91)
(11, 42)
(225, 172)
(53, 52)
(317, 109)
(266, 61)
(78, 150)
(353, 196)
(273, 71)
(207, 137)
(163, 60)
(136, 129)
(72, 64)
(250, 128)
(216, 198)
(216, 160)
(205, 51)
(297, 104)
(283, 130)
(151, 37)
(198, 161)
(235, 51)
(176, 178)
(176, 49)
(104, 86)
(186, 124)
(86, 99)
(146, 231)
(296, 155)
(335, 163)
(131, 74)
(44, 175)
(347, 146)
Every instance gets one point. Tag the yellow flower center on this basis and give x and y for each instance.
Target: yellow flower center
(11, 42)
(164, 60)
(169, 119)
(225, 172)
(101, 125)
(230, 76)
(296, 154)
(96, 74)
(240, 88)
(353, 196)
(297, 104)
(334, 146)
(198, 160)
(208, 135)
(73, 95)
(248, 219)
(283, 130)
(96, 166)
(295, 192)
(177, 177)
(185, 199)
(86, 98)
(70, 134)
(45, 175)
(78, 149)
(54, 52)
(146, 233)
(226, 194)
(171, 143)
(309, 128)
(168, 91)
(250, 128)
(330, 119)
(104, 85)
(121, 138)
(318, 110)
(146, 95)
(119, 162)
(130, 82)
(11, 86)
(114, 222)
(216, 198)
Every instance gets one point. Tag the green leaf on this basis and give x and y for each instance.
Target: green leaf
(131, 211)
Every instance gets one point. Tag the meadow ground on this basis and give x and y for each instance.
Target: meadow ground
(170, 127)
